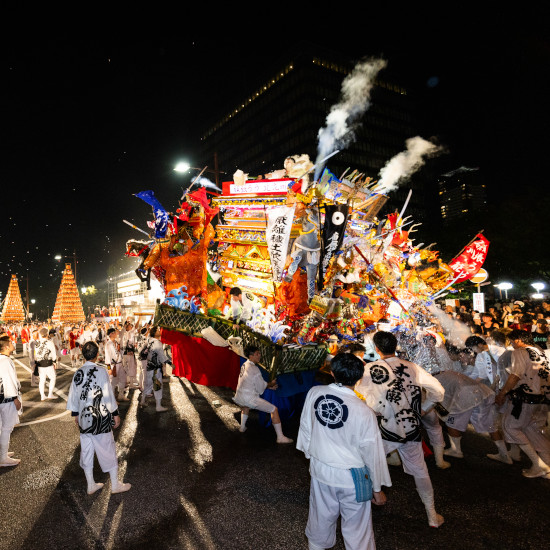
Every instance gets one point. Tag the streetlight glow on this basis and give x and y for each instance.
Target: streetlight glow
(538, 286)
(505, 286)
(182, 167)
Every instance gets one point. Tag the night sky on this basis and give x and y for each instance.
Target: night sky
(90, 117)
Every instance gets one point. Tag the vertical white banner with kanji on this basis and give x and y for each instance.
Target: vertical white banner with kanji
(279, 226)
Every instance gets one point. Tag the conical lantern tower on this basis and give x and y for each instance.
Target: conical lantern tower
(13, 306)
(68, 307)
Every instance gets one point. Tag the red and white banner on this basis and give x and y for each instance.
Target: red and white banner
(470, 260)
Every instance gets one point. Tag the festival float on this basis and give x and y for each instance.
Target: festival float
(316, 266)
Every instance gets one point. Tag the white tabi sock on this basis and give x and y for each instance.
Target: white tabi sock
(281, 438)
(92, 485)
(503, 455)
(539, 467)
(158, 396)
(116, 485)
(114, 477)
(501, 446)
(244, 418)
(426, 493)
(455, 449)
(440, 462)
(515, 452)
(278, 430)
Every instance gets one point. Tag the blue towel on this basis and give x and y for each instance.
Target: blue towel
(363, 484)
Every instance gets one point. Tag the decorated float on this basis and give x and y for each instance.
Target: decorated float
(314, 263)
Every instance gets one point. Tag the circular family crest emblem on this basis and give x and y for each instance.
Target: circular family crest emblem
(338, 218)
(379, 374)
(330, 411)
(78, 377)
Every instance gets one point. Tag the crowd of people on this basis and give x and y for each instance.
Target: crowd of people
(109, 361)
(418, 383)
(531, 316)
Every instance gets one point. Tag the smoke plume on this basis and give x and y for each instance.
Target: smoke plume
(404, 164)
(344, 116)
(205, 182)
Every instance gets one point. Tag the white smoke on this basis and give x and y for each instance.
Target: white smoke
(456, 331)
(404, 164)
(344, 116)
(205, 182)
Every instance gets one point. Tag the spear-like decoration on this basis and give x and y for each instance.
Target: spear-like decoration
(136, 228)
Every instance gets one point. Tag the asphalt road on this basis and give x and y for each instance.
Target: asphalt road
(197, 483)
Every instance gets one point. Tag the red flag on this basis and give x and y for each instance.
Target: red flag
(470, 260)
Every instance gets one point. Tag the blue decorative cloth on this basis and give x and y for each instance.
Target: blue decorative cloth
(290, 396)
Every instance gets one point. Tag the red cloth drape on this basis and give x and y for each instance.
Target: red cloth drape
(201, 362)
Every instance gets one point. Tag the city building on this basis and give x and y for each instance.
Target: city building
(283, 114)
(129, 297)
(462, 193)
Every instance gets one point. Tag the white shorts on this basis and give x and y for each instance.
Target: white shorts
(483, 418)
(529, 428)
(326, 504)
(9, 417)
(103, 445)
(412, 457)
(259, 404)
(430, 422)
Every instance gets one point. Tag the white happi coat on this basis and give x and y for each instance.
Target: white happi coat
(462, 393)
(112, 354)
(9, 383)
(532, 368)
(338, 431)
(392, 387)
(156, 356)
(91, 397)
(485, 367)
(86, 336)
(129, 340)
(250, 386)
(45, 353)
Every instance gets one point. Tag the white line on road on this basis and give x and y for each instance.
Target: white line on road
(40, 420)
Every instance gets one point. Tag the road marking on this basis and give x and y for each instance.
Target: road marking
(40, 420)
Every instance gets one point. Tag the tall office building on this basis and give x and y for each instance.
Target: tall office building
(282, 116)
(462, 193)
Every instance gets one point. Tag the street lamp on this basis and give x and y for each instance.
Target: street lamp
(182, 167)
(506, 287)
(538, 286)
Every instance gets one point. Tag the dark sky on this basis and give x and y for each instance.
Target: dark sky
(92, 116)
